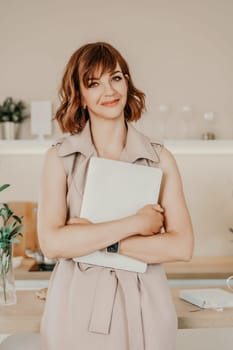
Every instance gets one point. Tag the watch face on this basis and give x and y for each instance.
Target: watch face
(113, 248)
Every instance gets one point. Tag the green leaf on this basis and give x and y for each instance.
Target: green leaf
(6, 232)
(12, 225)
(12, 111)
(4, 244)
(6, 207)
(3, 187)
(17, 218)
(9, 212)
(2, 212)
(16, 234)
(9, 230)
(16, 230)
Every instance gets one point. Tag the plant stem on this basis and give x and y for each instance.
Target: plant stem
(4, 286)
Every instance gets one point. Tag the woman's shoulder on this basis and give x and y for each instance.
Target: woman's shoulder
(152, 146)
(56, 159)
(166, 157)
(60, 141)
(55, 150)
(64, 145)
(167, 160)
(52, 163)
(54, 147)
(156, 143)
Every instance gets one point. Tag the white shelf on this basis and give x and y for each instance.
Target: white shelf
(24, 147)
(177, 147)
(200, 147)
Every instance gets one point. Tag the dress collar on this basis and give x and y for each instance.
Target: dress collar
(137, 145)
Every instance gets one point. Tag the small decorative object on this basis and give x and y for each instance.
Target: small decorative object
(42, 293)
(188, 127)
(12, 114)
(41, 117)
(162, 115)
(10, 227)
(209, 118)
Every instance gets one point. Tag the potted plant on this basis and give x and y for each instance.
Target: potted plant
(10, 227)
(12, 114)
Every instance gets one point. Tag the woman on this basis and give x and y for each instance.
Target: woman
(91, 306)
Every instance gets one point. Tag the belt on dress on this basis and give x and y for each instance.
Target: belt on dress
(102, 308)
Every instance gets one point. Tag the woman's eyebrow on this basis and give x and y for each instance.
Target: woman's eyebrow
(95, 78)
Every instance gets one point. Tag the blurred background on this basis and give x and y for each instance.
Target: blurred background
(180, 54)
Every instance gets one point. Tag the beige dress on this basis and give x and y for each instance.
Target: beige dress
(92, 307)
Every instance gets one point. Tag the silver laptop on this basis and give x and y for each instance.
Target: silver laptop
(209, 298)
(113, 190)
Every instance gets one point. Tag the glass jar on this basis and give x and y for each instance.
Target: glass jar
(209, 126)
(187, 123)
(162, 115)
(7, 281)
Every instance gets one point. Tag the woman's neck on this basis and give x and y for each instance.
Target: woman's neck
(108, 137)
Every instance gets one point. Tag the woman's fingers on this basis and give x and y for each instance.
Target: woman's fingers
(158, 208)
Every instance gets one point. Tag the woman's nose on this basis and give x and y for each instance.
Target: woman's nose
(108, 89)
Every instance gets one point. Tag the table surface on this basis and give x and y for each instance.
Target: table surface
(201, 267)
(207, 267)
(25, 316)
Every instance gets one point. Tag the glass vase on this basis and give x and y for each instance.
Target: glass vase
(7, 281)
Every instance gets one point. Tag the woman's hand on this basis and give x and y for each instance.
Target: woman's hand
(152, 219)
(78, 220)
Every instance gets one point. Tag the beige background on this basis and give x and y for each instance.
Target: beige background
(180, 51)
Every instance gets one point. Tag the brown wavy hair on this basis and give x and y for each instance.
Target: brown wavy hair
(84, 62)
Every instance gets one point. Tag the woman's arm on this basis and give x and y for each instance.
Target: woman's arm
(59, 239)
(176, 243)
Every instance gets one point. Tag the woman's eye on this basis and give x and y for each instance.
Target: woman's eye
(117, 78)
(92, 84)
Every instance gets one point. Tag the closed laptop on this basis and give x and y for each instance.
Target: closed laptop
(113, 190)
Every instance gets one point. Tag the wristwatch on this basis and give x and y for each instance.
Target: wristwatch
(113, 248)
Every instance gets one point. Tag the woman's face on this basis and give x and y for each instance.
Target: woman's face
(106, 95)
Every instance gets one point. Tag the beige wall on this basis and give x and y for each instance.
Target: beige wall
(180, 51)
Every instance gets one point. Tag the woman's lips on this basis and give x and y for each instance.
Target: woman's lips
(110, 103)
